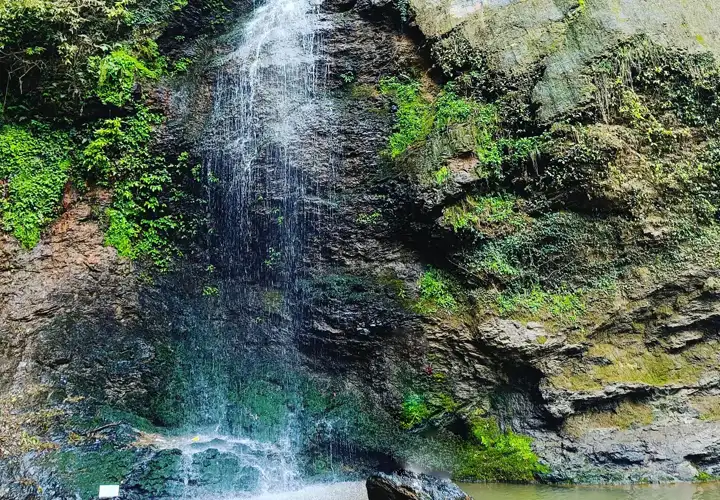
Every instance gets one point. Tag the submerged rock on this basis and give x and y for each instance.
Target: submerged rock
(406, 485)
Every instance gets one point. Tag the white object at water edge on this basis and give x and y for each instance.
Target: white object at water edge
(109, 491)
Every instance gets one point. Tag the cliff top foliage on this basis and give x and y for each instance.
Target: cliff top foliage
(58, 53)
(77, 76)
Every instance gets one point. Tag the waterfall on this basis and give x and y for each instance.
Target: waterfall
(265, 104)
(262, 158)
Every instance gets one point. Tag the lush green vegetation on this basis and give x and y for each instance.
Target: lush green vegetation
(119, 71)
(565, 307)
(489, 215)
(442, 175)
(34, 167)
(414, 411)
(414, 114)
(435, 294)
(64, 63)
(58, 55)
(496, 455)
(480, 449)
(147, 188)
(419, 116)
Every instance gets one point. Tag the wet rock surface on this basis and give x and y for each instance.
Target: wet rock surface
(70, 274)
(407, 485)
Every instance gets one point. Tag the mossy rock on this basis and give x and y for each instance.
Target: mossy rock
(512, 38)
(217, 472)
(84, 470)
(161, 476)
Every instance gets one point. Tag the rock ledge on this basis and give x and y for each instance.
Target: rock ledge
(406, 485)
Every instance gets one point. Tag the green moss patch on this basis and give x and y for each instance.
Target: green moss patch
(708, 407)
(84, 470)
(496, 455)
(625, 416)
(634, 363)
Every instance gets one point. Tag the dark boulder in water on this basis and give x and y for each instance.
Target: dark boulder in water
(406, 485)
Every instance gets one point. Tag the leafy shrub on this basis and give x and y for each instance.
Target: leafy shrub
(414, 115)
(34, 164)
(451, 109)
(486, 214)
(449, 124)
(36, 30)
(414, 411)
(142, 215)
(182, 65)
(555, 250)
(419, 408)
(119, 71)
(121, 233)
(442, 175)
(54, 51)
(435, 294)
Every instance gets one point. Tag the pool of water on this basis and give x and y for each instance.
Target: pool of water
(703, 491)
(356, 491)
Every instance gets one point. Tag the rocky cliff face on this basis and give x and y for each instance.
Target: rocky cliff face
(607, 385)
(534, 254)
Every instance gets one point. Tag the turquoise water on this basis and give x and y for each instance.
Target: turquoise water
(356, 491)
(702, 491)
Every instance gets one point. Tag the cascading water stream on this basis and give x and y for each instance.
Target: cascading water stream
(268, 106)
(266, 98)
